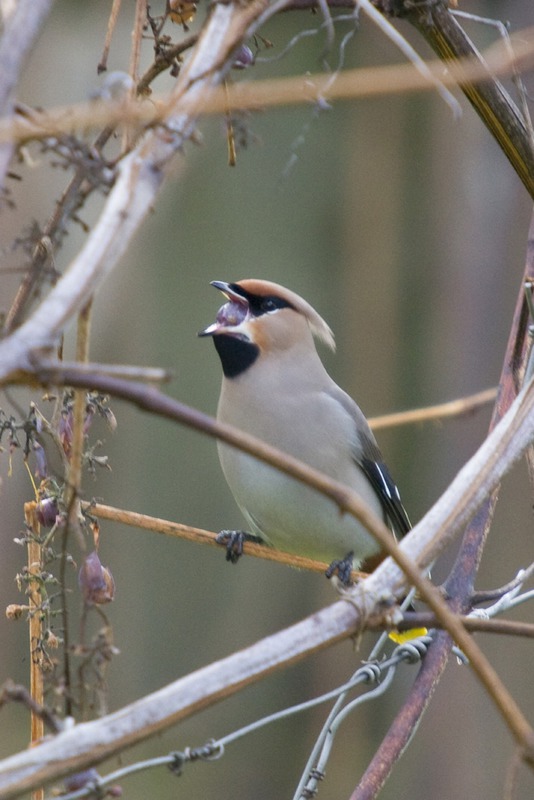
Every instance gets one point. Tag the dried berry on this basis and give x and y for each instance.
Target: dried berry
(95, 581)
(47, 511)
(244, 58)
(81, 779)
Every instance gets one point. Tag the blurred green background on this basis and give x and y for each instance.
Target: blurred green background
(407, 230)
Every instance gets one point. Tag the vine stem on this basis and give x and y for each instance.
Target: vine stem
(36, 631)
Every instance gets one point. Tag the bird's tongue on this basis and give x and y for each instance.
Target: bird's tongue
(232, 313)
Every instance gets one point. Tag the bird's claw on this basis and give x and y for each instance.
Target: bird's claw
(234, 541)
(342, 568)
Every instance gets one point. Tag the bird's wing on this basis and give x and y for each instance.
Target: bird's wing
(367, 455)
(386, 488)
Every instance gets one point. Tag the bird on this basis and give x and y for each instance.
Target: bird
(276, 387)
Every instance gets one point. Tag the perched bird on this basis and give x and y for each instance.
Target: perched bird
(276, 388)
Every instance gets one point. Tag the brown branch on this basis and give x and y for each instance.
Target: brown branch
(453, 408)
(401, 730)
(423, 619)
(112, 21)
(459, 586)
(491, 102)
(164, 61)
(200, 536)
(349, 84)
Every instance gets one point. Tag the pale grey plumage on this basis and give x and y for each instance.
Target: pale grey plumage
(276, 387)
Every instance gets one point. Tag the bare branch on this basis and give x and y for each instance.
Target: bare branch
(459, 585)
(453, 408)
(18, 37)
(353, 83)
(190, 534)
(489, 98)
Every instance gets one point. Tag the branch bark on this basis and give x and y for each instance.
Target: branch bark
(20, 32)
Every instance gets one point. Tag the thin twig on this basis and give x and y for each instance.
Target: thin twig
(199, 536)
(453, 408)
(77, 191)
(112, 21)
(135, 56)
(127, 371)
(19, 694)
(353, 83)
(412, 55)
(163, 61)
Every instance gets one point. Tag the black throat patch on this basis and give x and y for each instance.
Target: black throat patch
(236, 355)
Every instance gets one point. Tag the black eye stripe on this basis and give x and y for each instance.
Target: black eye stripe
(260, 304)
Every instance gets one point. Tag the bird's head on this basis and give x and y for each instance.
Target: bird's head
(261, 318)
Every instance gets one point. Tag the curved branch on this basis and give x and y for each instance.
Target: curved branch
(18, 37)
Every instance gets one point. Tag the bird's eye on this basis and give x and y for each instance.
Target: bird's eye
(268, 304)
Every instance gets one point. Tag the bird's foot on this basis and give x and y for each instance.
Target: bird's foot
(342, 568)
(234, 541)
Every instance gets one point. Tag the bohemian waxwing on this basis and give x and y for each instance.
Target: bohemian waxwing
(276, 388)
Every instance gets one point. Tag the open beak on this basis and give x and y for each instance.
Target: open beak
(231, 314)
